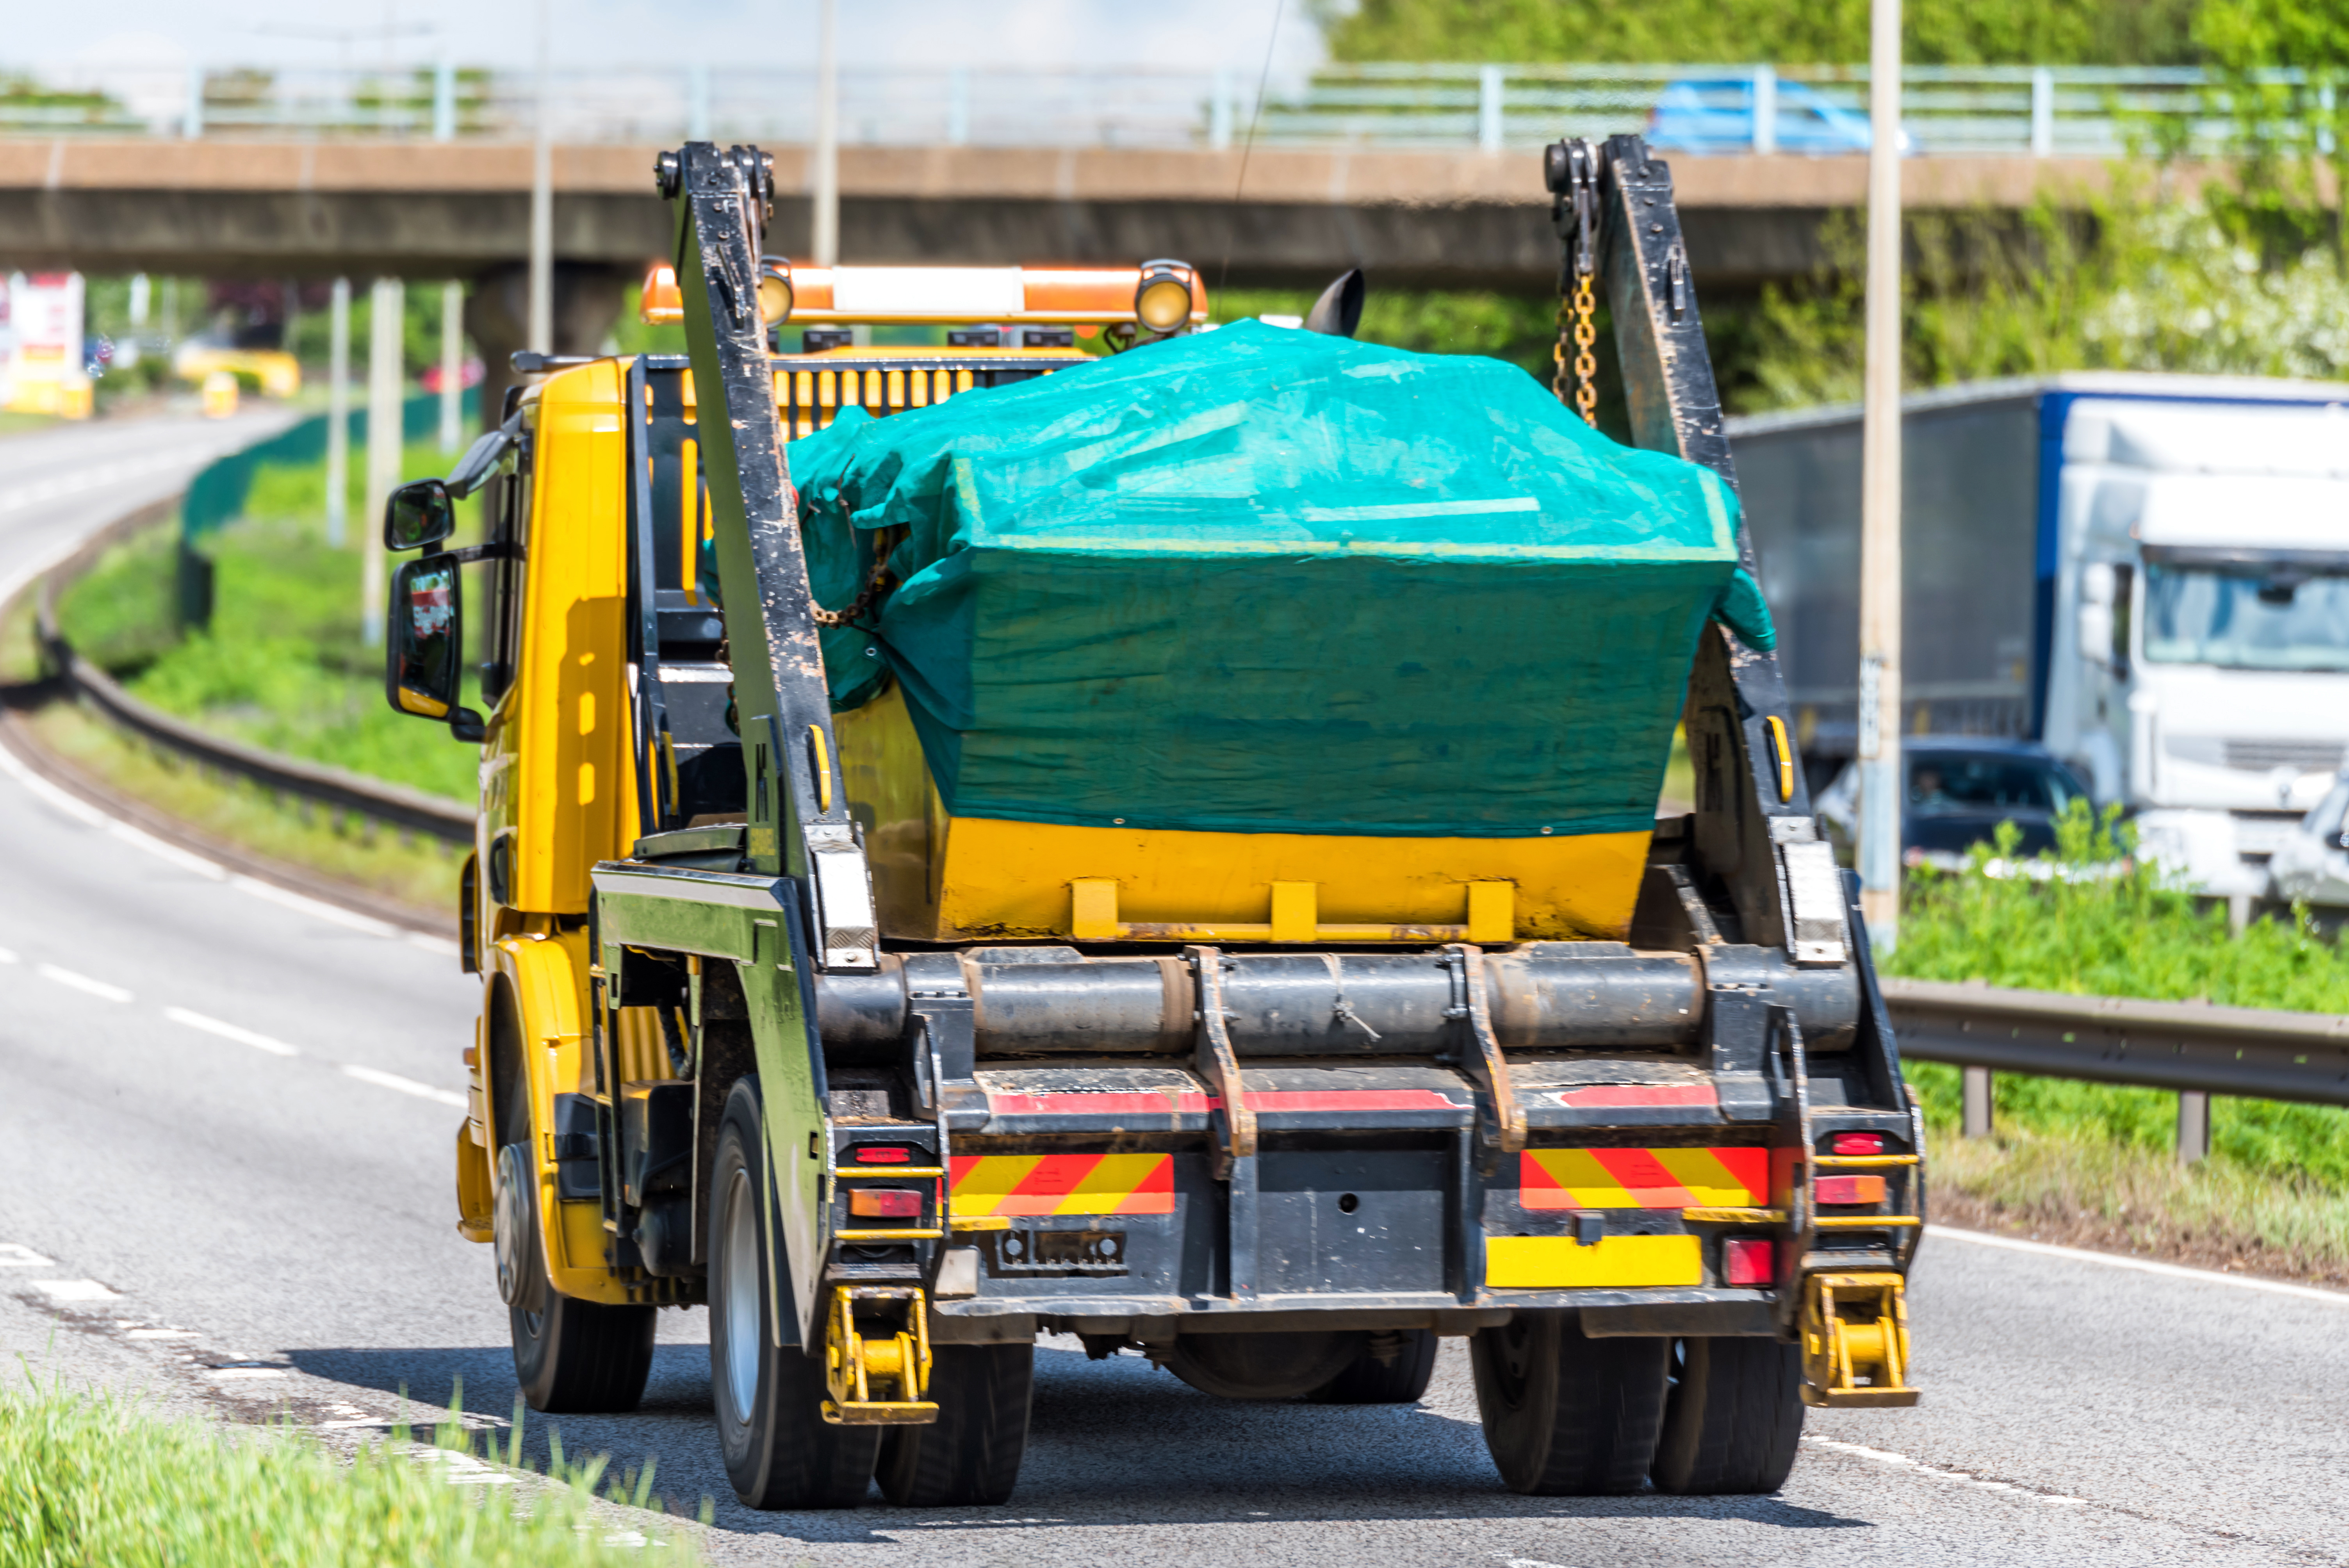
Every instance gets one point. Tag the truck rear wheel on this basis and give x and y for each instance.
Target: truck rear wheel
(1565, 1415)
(1734, 1419)
(1400, 1379)
(571, 1356)
(970, 1454)
(779, 1452)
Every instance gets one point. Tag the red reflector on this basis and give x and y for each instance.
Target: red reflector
(1832, 1190)
(1857, 1143)
(885, 1203)
(883, 1156)
(1749, 1262)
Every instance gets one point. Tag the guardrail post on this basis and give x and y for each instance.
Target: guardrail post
(1765, 110)
(1980, 1104)
(2193, 1125)
(1488, 109)
(2043, 112)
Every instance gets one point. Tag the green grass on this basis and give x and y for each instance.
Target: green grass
(413, 870)
(98, 1480)
(2277, 1184)
(283, 664)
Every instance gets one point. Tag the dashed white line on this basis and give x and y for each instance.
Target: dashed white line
(186, 860)
(160, 1334)
(231, 1032)
(1958, 1477)
(15, 1257)
(404, 1085)
(2145, 1266)
(76, 1290)
(82, 983)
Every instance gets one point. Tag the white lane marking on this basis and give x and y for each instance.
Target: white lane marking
(75, 1290)
(112, 473)
(185, 859)
(14, 1255)
(160, 1334)
(1963, 1478)
(439, 945)
(2145, 1266)
(404, 1085)
(230, 1032)
(317, 909)
(245, 1371)
(462, 1469)
(81, 983)
(73, 806)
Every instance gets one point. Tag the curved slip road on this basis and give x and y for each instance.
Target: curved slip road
(225, 1118)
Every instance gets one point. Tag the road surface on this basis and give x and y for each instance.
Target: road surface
(226, 1119)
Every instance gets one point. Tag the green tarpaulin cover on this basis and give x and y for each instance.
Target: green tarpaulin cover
(1260, 580)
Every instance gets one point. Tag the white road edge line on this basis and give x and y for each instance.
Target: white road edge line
(1964, 1477)
(317, 909)
(404, 1085)
(17, 1255)
(2143, 1266)
(76, 1290)
(230, 1032)
(99, 988)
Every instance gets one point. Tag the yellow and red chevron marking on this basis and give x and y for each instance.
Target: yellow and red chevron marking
(1644, 1178)
(1062, 1185)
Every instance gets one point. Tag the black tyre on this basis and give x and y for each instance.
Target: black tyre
(571, 1356)
(1734, 1417)
(970, 1454)
(1565, 1415)
(1400, 1379)
(779, 1452)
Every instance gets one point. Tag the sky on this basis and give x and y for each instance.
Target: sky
(63, 42)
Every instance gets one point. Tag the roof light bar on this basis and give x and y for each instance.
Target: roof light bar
(1010, 296)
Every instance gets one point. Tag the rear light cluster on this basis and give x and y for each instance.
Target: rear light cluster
(1857, 1143)
(1830, 1190)
(870, 1154)
(1749, 1262)
(885, 1203)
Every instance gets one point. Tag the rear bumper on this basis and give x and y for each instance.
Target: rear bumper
(1606, 1314)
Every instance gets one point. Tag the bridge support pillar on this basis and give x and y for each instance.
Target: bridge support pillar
(496, 317)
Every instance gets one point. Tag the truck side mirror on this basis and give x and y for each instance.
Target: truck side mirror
(425, 630)
(419, 514)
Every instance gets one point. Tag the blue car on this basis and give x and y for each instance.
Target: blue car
(1715, 115)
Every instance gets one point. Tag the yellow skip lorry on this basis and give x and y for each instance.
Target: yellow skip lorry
(988, 841)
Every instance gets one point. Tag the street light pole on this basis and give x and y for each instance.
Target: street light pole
(827, 134)
(1880, 529)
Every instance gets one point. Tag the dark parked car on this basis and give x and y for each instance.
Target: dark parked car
(1960, 788)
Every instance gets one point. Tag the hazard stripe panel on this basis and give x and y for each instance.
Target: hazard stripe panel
(986, 1184)
(1643, 1178)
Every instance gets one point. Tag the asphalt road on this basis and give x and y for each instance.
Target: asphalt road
(225, 1118)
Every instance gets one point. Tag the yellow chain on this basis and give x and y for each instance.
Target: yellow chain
(1586, 366)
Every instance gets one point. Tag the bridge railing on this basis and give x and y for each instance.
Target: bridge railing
(2077, 111)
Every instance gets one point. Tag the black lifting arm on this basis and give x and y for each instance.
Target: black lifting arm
(798, 821)
(1613, 208)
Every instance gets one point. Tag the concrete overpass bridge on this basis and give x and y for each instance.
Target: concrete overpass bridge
(1279, 216)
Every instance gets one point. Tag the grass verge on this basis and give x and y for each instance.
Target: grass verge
(98, 1480)
(2095, 1164)
(410, 870)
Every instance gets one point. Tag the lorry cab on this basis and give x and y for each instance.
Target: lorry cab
(817, 994)
(2200, 655)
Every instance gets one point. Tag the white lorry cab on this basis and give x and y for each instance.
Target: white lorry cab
(2199, 664)
(2148, 574)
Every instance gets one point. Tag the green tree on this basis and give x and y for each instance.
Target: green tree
(1831, 32)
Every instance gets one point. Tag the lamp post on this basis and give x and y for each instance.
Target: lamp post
(1879, 529)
